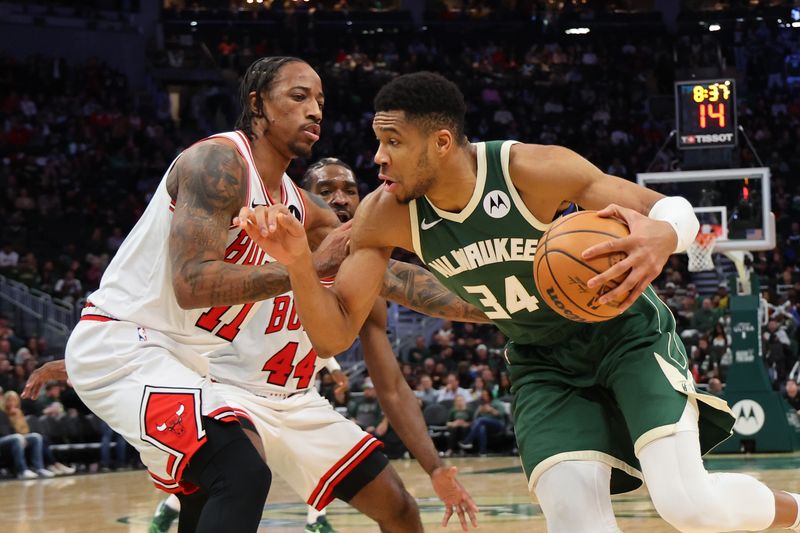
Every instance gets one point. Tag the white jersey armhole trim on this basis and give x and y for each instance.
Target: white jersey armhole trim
(415, 242)
(505, 155)
(301, 202)
(477, 193)
(251, 162)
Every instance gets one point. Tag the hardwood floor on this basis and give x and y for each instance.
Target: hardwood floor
(125, 501)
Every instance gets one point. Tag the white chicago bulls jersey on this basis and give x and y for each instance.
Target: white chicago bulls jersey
(272, 355)
(137, 285)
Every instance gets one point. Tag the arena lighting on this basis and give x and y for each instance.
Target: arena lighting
(577, 31)
(193, 23)
(249, 1)
(714, 27)
(795, 24)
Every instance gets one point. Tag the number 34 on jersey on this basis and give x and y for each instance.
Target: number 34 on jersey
(516, 299)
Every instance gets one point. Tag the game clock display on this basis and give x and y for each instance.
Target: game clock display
(705, 112)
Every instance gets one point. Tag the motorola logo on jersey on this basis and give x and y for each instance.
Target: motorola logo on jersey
(496, 204)
(749, 416)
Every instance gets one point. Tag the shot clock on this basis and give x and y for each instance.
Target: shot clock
(705, 112)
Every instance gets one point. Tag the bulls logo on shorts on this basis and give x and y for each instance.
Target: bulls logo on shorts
(171, 421)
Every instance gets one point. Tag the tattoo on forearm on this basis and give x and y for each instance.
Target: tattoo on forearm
(418, 289)
(212, 187)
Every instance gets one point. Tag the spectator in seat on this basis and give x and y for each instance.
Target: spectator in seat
(8, 258)
(16, 445)
(69, 287)
(425, 391)
(488, 419)
(705, 318)
(39, 447)
(477, 388)
(715, 386)
(776, 346)
(7, 379)
(451, 390)
(791, 395)
(417, 353)
(458, 421)
(366, 411)
(503, 387)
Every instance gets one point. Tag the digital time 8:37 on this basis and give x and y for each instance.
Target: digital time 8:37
(711, 93)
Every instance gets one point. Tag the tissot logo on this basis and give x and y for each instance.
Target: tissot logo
(496, 204)
(749, 417)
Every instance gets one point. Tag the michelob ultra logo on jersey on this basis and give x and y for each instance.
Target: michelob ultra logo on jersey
(482, 253)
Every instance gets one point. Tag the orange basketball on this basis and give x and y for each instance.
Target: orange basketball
(561, 274)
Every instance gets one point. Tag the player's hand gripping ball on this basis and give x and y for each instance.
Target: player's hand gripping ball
(561, 274)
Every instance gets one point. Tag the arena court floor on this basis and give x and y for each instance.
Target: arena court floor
(124, 502)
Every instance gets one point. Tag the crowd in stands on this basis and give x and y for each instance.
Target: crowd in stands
(81, 154)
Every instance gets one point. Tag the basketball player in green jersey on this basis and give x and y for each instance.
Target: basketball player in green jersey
(598, 408)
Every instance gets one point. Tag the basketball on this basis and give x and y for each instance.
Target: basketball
(561, 274)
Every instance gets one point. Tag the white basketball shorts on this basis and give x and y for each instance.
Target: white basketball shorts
(307, 443)
(148, 389)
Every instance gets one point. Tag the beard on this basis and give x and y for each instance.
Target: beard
(300, 150)
(424, 181)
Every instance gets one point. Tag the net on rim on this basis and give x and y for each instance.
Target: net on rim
(701, 250)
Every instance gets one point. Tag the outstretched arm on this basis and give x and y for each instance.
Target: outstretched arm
(417, 288)
(402, 409)
(332, 318)
(209, 185)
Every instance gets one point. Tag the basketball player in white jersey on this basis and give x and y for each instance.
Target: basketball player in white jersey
(184, 284)
(267, 374)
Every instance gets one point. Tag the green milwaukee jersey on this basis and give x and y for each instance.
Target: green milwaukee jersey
(485, 253)
(596, 392)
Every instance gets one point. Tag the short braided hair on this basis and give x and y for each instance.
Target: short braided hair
(259, 77)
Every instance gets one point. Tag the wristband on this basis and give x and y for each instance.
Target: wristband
(678, 212)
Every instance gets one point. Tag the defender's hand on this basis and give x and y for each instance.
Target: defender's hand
(454, 496)
(276, 231)
(339, 377)
(52, 371)
(648, 247)
(331, 252)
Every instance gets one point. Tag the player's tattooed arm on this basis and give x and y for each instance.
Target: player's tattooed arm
(417, 288)
(209, 186)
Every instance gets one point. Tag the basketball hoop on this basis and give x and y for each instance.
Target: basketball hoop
(701, 250)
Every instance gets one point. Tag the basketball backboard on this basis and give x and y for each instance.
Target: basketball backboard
(734, 203)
